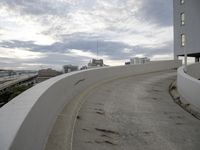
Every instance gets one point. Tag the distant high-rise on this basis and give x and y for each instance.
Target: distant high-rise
(187, 28)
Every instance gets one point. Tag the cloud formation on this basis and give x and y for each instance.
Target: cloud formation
(52, 33)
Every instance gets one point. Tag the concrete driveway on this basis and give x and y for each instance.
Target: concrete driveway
(135, 113)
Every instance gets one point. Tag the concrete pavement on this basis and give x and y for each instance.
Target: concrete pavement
(135, 113)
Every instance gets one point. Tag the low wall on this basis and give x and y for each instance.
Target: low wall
(194, 70)
(26, 121)
(188, 84)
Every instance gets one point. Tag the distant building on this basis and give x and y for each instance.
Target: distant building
(186, 28)
(137, 60)
(26, 72)
(127, 63)
(69, 68)
(96, 63)
(83, 68)
(6, 73)
(45, 74)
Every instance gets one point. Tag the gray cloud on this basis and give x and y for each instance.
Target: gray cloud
(36, 7)
(157, 11)
(112, 23)
(114, 50)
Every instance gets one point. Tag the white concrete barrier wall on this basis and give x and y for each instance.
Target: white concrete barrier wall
(26, 121)
(194, 70)
(188, 86)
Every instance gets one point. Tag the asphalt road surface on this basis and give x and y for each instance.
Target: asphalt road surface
(135, 113)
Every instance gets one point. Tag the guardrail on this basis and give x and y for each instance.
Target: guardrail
(26, 121)
(188, 84)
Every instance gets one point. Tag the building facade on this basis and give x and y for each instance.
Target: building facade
(187, 28)
(137, 60)
(96, 63)
(6, 73)
(45, 74)
(69, 68)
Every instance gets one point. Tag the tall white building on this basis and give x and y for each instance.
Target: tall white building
(187, 28)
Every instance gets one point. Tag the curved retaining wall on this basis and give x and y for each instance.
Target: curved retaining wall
(26, 121)
(189, 85)
(194, 70)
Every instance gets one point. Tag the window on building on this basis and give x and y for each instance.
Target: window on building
(182, 1)
(182, 19)
(183, 40)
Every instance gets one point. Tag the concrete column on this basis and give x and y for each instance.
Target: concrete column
(185, 62)
(175, 57)
(196, 59)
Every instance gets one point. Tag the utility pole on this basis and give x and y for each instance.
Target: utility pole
(97, 48)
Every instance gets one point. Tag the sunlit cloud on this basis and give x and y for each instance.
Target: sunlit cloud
(140, 55)
(81, 53)
(20, 54)
(15, 27)
(163, 57)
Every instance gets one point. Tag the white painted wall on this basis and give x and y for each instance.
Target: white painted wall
(194, 70)
(188, 86)
(26, 121)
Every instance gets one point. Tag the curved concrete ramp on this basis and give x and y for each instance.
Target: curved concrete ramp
(135, 113)
(27, 121)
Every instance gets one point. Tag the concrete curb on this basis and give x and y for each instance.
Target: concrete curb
(194, 111)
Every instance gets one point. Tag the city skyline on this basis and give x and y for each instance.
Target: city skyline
(41, 33)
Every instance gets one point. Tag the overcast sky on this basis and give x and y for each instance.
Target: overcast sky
(38, 34)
